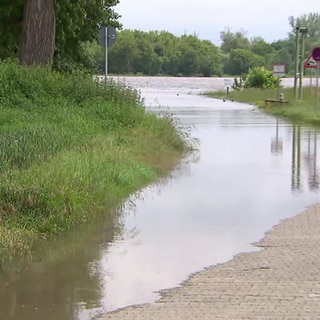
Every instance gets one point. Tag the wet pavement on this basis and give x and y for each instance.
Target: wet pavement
(281, 281)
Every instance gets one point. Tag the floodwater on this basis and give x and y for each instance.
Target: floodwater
(251, 171)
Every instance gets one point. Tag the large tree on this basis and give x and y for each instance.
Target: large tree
(45, 31)
(37, 41)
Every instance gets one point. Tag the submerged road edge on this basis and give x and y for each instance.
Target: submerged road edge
(280, 281)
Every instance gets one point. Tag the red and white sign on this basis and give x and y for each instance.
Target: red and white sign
(316, 54)
(311, 63)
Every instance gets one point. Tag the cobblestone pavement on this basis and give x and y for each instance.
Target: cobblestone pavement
(281, 281)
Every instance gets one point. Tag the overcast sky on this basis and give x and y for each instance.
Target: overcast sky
(206, 18)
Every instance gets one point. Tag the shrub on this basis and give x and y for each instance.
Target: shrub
(238, 84)
(260, 77)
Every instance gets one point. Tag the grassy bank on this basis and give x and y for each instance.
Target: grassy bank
(70, 147)
(303, 111)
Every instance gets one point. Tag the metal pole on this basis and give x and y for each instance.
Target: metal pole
(303, 36)
(278, 89)
(310, 84)
(317, 86)
(296, 63)
(105, 56)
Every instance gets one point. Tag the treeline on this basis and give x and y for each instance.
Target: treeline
(162, 53)
(71, 32)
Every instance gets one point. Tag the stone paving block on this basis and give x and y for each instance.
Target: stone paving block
(280, 281)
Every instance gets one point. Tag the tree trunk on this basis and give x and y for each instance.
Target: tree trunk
(37, 43)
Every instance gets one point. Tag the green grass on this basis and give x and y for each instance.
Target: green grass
(303, 111)
(70, 147)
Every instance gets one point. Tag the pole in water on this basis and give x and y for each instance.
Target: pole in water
(311, 84)
(303, 36)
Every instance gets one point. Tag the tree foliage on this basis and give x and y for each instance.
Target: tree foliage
(136, 51)
(231, 40)
(155, 53)
(312, 22)
(240, 60)
(76, 22)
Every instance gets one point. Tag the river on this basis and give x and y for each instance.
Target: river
(251, 170)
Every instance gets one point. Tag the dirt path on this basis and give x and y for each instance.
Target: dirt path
(282, 281)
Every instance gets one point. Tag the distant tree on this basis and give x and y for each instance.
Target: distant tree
(231, 40)
(160, 52)
(240, 60)
(165, 47)
(210, 59)
(190, 59)
(124, 53)
(260, 47)
(312, 22)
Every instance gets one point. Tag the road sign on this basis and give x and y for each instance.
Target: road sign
(316, 53)
(279, 70)
(310, 63)
(106, 38)
(111, 36)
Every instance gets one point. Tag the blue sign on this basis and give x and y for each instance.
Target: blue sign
(316, 54)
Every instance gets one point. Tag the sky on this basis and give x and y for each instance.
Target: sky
(207, 18)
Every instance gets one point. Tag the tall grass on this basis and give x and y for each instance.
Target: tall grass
(70, 146)
(298, 110)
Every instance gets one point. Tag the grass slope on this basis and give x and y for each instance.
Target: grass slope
(68, 147)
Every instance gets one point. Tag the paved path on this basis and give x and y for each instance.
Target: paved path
(281, 281)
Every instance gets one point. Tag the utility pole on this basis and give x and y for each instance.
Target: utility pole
(296, 64)
(303, 31)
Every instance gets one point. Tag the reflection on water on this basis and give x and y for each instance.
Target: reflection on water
(219, 201)
(296, 158)
(303, 152)
(276, 142)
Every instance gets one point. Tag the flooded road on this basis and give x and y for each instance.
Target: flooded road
(251, 171)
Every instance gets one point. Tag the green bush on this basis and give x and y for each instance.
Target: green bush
(262, 78)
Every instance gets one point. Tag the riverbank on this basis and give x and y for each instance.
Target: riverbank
(278, 282)
(303, 111)
(71, 147)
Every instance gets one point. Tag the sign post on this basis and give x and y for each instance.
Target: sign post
(106, 38)
(279, 70)
(227, 84)
(316, 57)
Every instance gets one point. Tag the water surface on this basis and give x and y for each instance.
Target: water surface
(251, 171)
